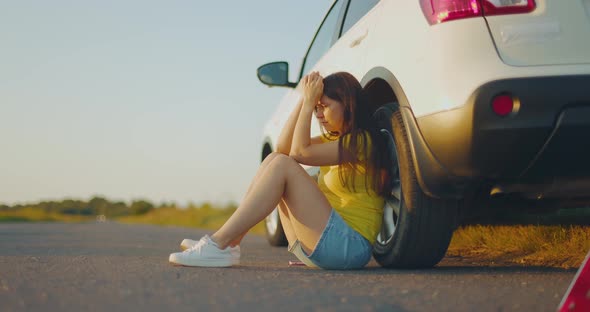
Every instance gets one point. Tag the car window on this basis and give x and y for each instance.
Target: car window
(356, 10)
(324, 37)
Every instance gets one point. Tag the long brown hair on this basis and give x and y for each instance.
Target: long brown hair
(357, 124)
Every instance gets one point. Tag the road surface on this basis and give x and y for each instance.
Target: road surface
(109, 266)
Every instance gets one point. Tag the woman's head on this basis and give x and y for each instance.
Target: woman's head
(343, 112)
(341, 107)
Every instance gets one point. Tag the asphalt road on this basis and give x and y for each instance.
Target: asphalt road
(118, 267)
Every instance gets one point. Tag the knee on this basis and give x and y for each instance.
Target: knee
(272, 155)
(283, 160)
(269, 158)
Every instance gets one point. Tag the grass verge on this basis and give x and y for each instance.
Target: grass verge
(531, 245)
(38, 215)
(202, 218)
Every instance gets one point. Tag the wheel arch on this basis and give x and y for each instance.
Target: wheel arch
(373, 81)
(434, 179)
(266, 149)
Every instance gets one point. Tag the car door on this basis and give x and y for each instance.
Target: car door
(340, 44)
(349, 46)
(324, 38)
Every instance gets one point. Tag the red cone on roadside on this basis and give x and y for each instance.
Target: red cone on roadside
(577, 297)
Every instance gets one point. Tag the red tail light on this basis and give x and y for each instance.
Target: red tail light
(439, 11)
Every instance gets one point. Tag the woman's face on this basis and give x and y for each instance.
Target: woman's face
(330, 113)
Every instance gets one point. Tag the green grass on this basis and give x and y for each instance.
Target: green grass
(14, 219)
(38, 215)
(203, 218)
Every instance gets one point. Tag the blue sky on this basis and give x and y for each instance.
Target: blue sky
(156, 100)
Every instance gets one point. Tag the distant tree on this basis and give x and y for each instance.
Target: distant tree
(98, 206)
(191, 206)
(118, 209)
(230, 206)
(47, 206)
(70, 206)
(206, 207)
(140, 207)
(165, 204)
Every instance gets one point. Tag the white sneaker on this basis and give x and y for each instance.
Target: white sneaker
(235, 251)
(204, 253)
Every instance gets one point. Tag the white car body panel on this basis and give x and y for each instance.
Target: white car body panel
(560, 29)
(440, 66)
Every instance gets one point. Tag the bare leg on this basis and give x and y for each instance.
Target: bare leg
(238, 240)
(286, 223)
(260, 171)
(283, 178)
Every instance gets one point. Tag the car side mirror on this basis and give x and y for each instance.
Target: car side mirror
(275, 74)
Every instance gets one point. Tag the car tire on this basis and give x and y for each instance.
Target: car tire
(274, 229)
(416, 229)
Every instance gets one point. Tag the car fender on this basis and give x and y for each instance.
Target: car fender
(429, 170)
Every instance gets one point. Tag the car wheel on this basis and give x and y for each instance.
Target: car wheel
(416, 229)
(274, 229)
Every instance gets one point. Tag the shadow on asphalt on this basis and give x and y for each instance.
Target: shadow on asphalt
(439, 270)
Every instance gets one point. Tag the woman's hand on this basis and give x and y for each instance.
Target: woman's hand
(313, 89)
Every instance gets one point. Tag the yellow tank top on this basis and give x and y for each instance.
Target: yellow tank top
(362, 211)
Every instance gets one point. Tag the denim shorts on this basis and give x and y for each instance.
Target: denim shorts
(339, 248)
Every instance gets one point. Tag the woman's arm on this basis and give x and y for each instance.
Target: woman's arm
(302, 148)
(286, 136)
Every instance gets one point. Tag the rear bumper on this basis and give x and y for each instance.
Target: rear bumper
(543, 150)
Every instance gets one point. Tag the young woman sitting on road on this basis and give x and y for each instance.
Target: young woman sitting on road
(331, 223)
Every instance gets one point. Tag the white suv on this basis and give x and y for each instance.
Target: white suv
(478, 99)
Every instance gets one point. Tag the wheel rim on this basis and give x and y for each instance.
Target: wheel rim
(391, 212)
(393, 203)
(272, 222)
